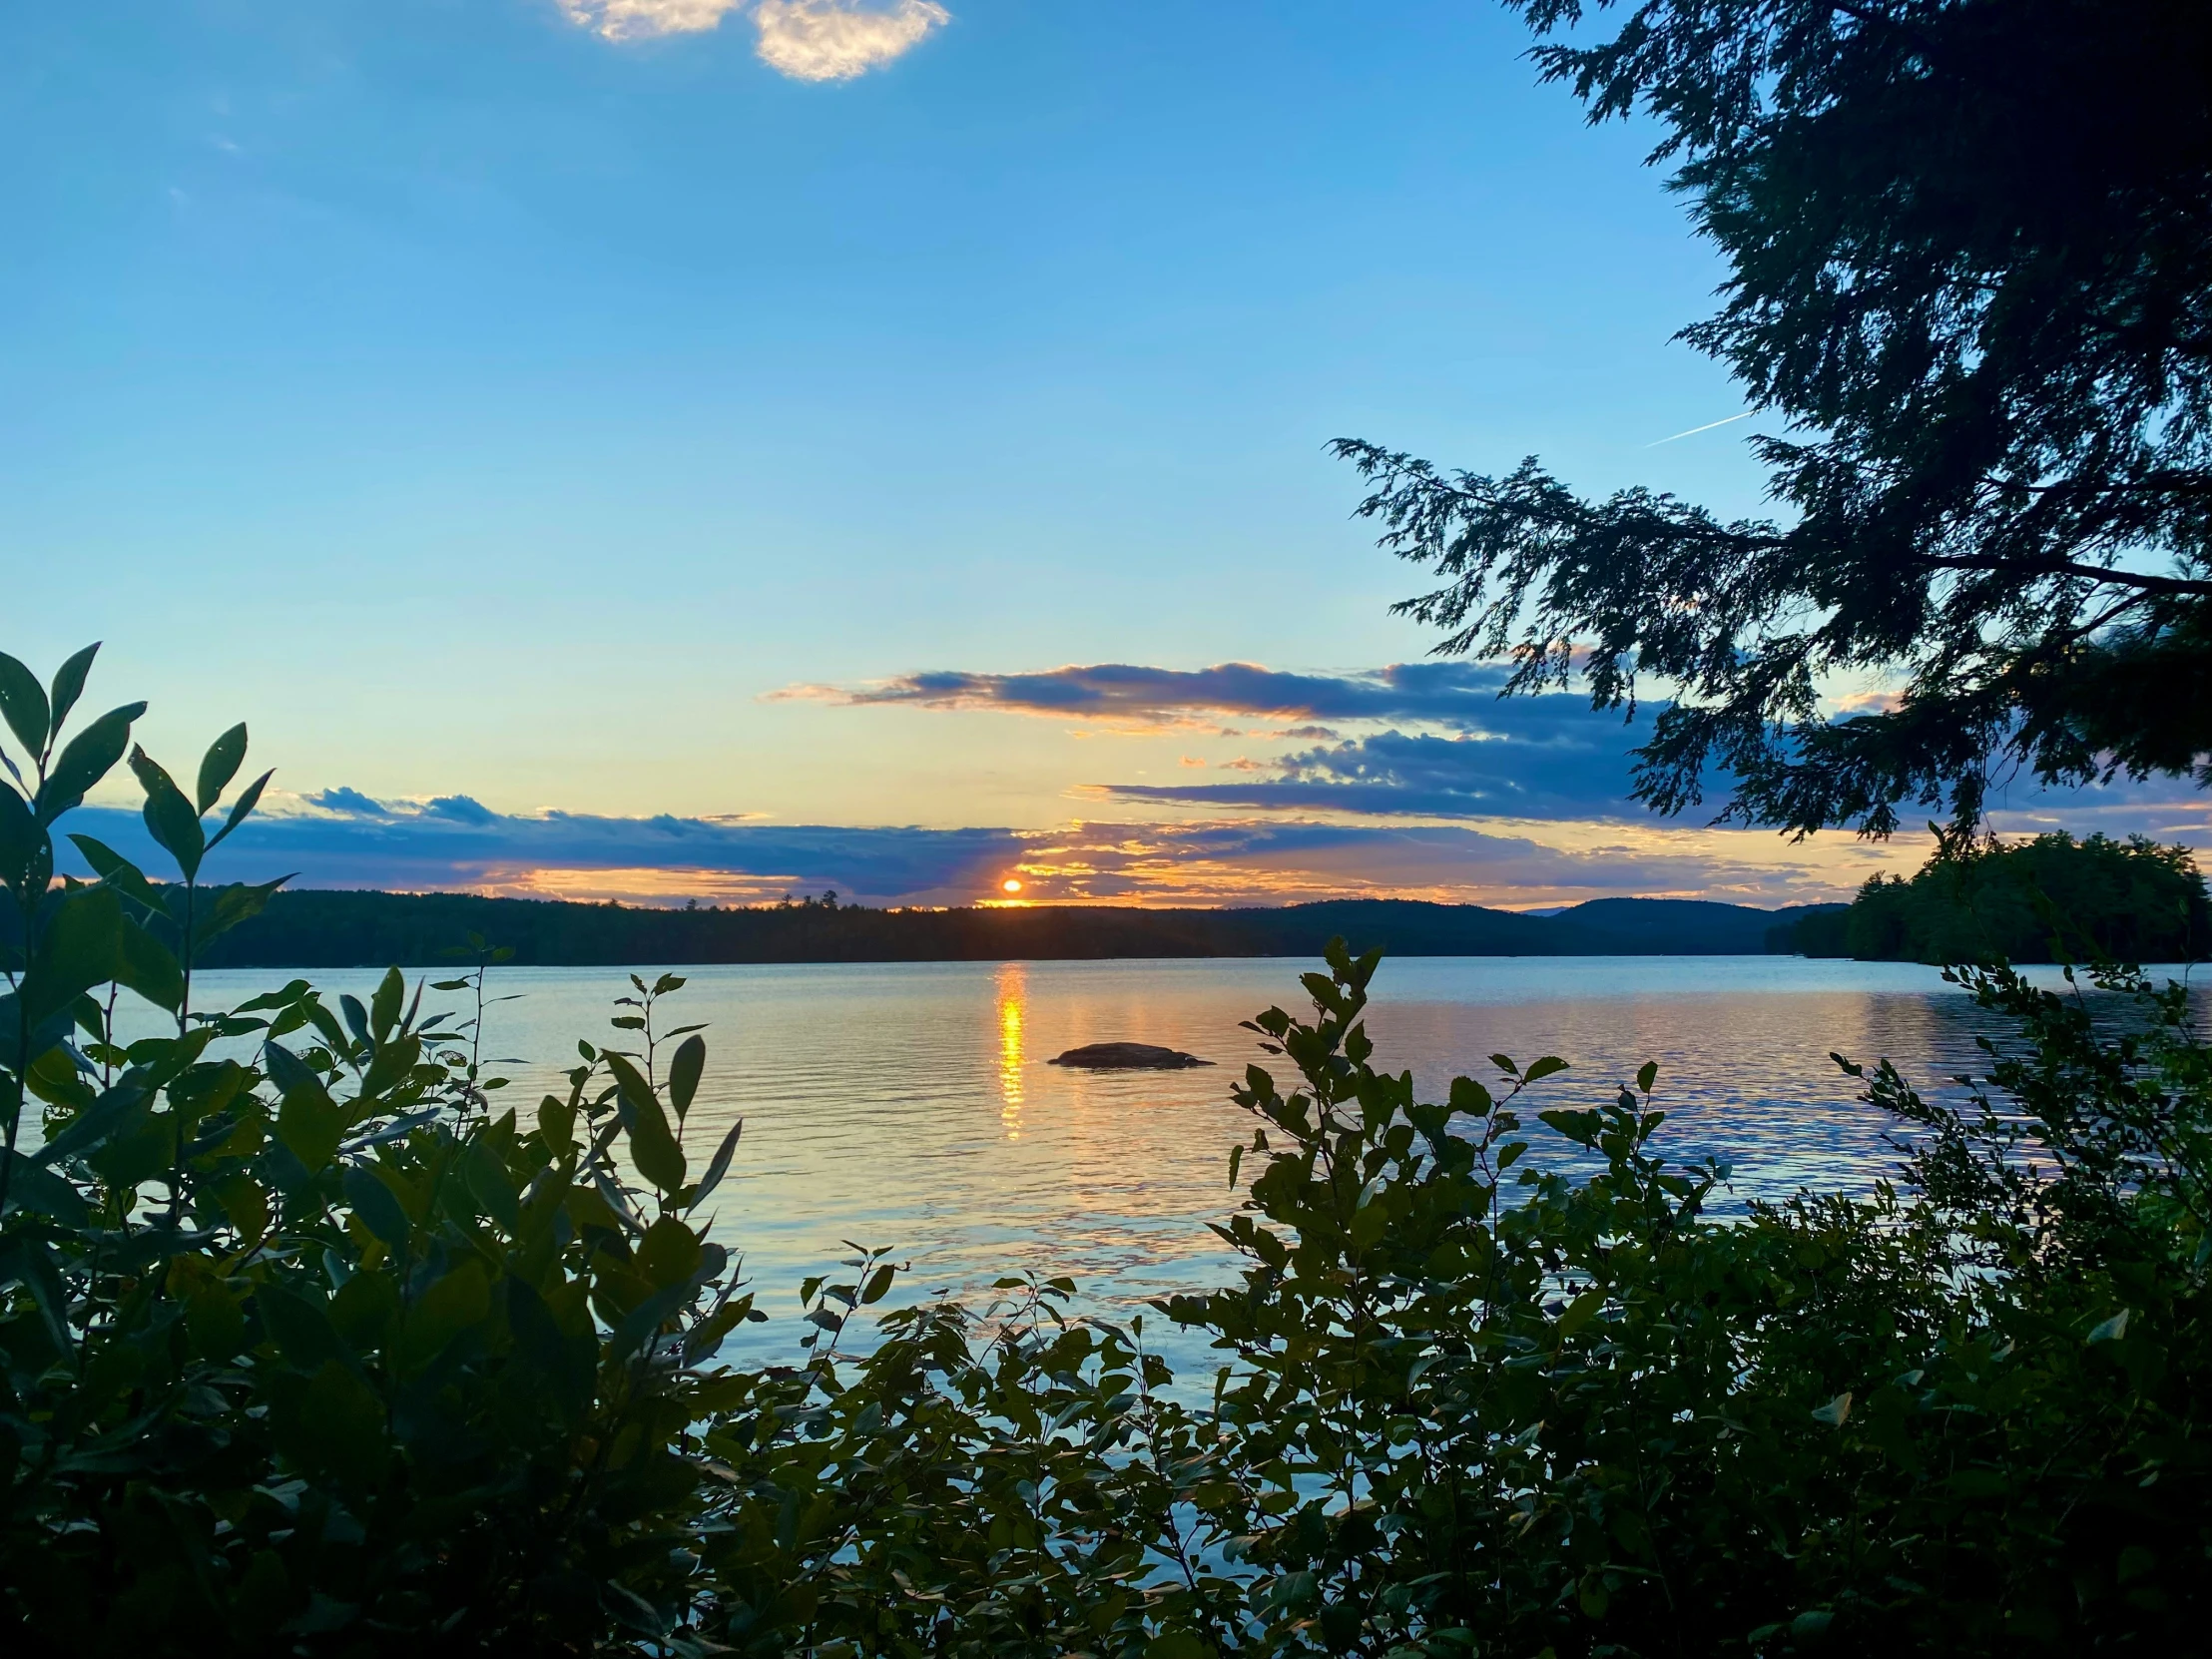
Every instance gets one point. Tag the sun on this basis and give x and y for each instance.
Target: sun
(1009, 885)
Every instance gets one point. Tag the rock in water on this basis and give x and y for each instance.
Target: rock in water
(1128, 1058)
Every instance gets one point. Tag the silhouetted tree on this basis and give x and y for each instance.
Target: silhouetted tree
(1969, 251)
(2049, 898)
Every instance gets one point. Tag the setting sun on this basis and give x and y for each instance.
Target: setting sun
(1011, 885)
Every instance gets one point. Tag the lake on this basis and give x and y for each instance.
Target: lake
(910, 1105)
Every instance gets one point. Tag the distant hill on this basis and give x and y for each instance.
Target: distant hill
(313, 928)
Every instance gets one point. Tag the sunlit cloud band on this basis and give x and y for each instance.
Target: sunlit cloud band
(344, 838)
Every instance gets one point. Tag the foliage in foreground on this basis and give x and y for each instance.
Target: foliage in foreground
(2046, 899)
(309, 1350)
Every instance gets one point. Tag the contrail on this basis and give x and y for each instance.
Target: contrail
(1707, 427)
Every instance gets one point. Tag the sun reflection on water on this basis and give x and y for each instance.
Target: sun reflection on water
(1013, 996)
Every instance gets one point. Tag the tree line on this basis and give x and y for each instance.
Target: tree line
(309, 928)
(2049, 898)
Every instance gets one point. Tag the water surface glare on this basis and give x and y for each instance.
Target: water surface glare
(910, 1105)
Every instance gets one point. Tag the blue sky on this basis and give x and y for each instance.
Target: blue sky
(608, 409)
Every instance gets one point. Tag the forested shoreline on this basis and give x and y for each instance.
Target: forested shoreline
(2049, 899)
(315, 928)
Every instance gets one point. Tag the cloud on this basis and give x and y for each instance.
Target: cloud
(1549, 763)
(347, 802)
(833, 40)
(1271, 862)
(1453, 693)
(457, 845)
(642, 19)
(1545, 756)
(347, 840)
(806, 40)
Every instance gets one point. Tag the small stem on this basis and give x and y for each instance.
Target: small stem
(107, 1037)
(184, 1026)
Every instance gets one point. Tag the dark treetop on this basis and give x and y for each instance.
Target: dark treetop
(1970, 255)
(2050, 899)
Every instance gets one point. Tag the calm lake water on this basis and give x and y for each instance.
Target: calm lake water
(910, 1105)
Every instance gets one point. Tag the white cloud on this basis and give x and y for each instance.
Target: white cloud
(807, 40)
(639, 19)
(834, 40)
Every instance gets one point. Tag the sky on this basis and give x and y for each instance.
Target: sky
(685, 449)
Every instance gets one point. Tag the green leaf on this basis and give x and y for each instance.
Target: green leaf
(23, 702)
(1646, 1075)
(146, 965)
(365, 1307)
(1543, 1068)
(717, 1166)
(219, 765)
(81, 948)
(566, 1363)
(34, 1187)
(99, 1120)
(878, 1284)
(300, 1328)
(684, 1073)
(1470, 1097)
(215, 1321)
(652, 1148)
(248, 799)
(557, 1123)
(489, 1184)
(335, 1426)
(169, 816)
(23, 842)
(309, 1122)
(384, 1007)
(118, 871)
(646, 1319)
(90, 757)
(232, 906)
(459, 1299)
(392, 1061)
(1581, 1311)
(27, 1261)
(669, 1254)
(2112, 1330)
(1836, 1412)
(1579, 1127)
(69, 685)
(377, 1206)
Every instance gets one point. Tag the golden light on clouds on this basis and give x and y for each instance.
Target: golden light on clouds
(829, 40)
(804, 40)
